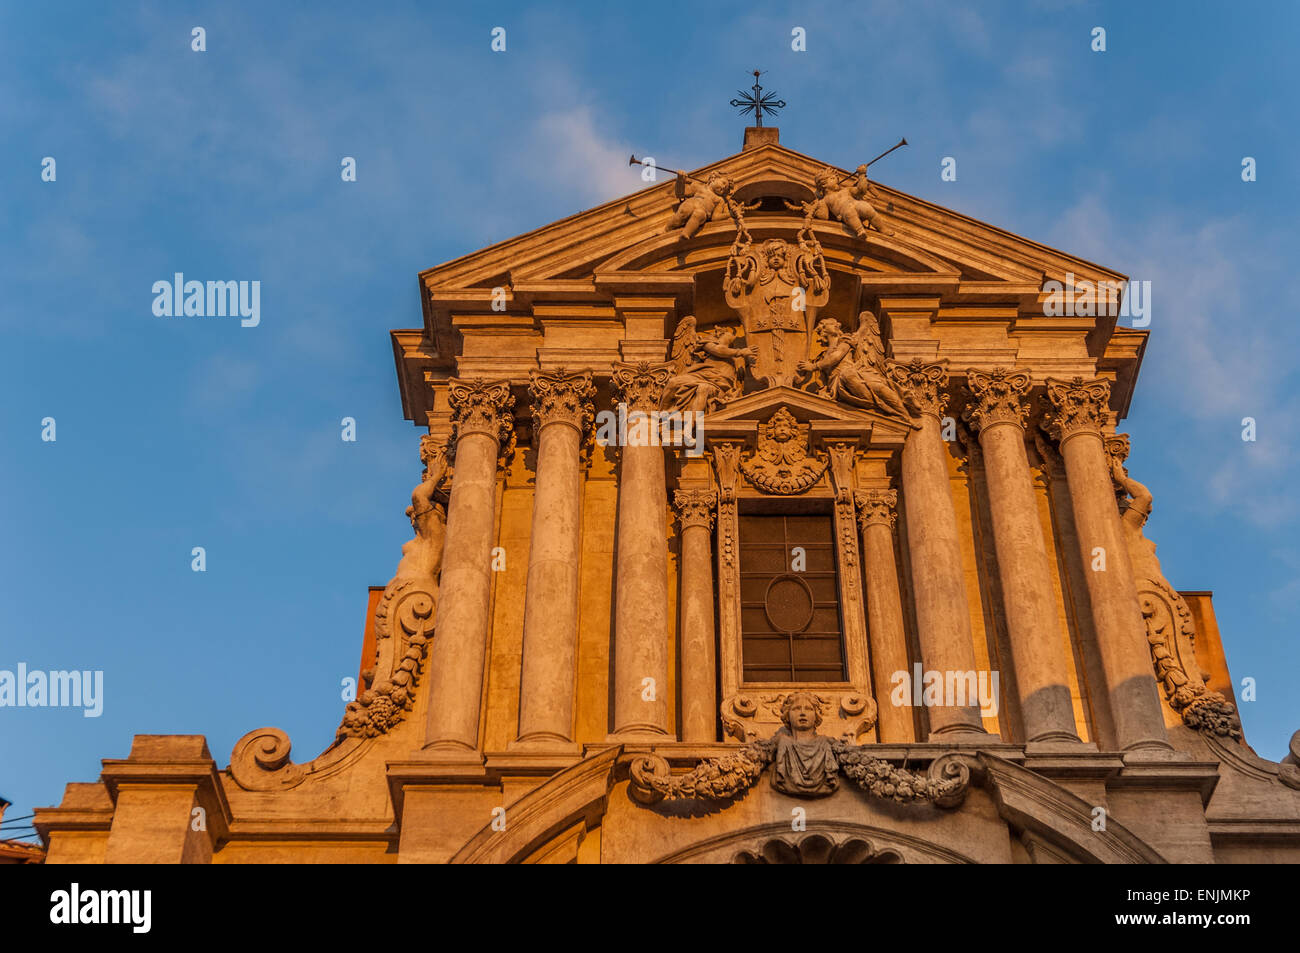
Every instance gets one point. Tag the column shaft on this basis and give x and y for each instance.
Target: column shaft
(458, 655)
(698, 659)
(1033, 624)
(876, 515)
(938, 577)
(1080, 411)
(641, 562)
(561, 415)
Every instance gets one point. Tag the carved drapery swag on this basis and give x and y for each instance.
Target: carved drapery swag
(781, 463)
(1170, 631)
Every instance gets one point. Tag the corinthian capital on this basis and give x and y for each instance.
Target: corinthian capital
(563, 398)
(876, 507)
(695, 507)
(1076, 406)
(997, 397)
(921, 385)
(641, 385)
(479, 406)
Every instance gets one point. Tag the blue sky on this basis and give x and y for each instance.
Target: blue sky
(225, 165)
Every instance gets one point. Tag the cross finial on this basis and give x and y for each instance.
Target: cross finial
(757, 101)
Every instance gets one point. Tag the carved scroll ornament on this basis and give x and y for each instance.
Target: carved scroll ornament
(404, 624)
(1170, 631)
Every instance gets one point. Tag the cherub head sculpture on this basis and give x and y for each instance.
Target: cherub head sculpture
(826, 180)
(719, 184)
(801, 711)
(774, 253)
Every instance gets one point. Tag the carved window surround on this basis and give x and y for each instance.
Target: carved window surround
(753, 709)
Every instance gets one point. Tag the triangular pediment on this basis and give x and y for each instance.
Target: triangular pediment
(628, 234)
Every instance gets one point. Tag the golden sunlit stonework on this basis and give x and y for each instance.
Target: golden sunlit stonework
(891, 601)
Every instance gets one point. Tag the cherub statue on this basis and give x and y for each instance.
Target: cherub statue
(700, 202)
(847, 202)
(853, 367)
(706, 367)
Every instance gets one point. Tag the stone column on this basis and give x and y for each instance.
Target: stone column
(938, 576)
(562, 416)
(641, 559)
(483, 423)
(699, 660)
(1076, 420)
(876, 517)
(998, 410)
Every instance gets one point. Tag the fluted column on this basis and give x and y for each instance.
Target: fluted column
(938, 578)
(699, 666)
(1076, 420)
(998, 410)
(562, 416)
(483, 423)
(876, 517)
(641, 561)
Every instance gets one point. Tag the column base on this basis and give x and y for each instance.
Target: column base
(545, 744)
(963, 730)
(1049, 749)
(1150, 751)
(638, 733)
(450, 752)
(1053, 739)
(964, 734)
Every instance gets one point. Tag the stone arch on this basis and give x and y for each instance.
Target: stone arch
(578, 793)
(1045, 810)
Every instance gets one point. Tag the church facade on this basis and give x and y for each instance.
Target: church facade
(767, 515)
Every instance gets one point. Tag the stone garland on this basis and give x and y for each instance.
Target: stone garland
(725, 778)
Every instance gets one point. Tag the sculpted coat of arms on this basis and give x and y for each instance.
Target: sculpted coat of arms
(777, 289)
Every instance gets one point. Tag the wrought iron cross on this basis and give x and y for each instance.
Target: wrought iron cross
(757, 101)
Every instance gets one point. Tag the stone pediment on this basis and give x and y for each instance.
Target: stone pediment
(627, 234)
(828, 418)
(615, 282)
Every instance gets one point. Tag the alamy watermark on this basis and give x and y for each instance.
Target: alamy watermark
(213, 299)
(60, 689)
(935, 689)
(1079, 297)
(129, 907)
(655, 428)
